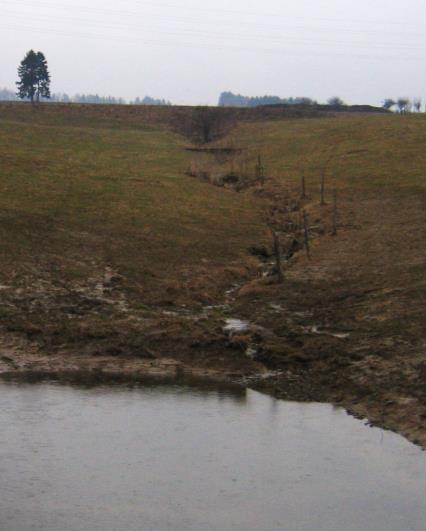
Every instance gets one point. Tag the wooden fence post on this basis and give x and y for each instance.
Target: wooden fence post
(260, 170)
(322, 202)
(334, 212)
(299, 220)
(306, 234)
(277, 254)
(303, 196)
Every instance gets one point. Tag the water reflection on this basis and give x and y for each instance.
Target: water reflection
(194, 457)
(163, 384)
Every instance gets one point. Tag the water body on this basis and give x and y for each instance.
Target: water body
(183, 458)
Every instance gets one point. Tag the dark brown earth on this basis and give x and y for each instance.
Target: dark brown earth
(346, 326)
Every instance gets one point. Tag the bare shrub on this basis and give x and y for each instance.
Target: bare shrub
(221, 169)
(403, 105)
(209, 123)
(335, 101)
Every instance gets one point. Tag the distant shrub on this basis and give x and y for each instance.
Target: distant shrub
(228, 99)
(335, 101)
(208, 124)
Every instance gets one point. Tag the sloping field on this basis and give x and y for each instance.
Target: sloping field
(357, 150)
(78, 197)
(363, 291)
(109, 248)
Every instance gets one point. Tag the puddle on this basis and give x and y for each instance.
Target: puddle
(340, 335)
(157, 457)
(233, 326)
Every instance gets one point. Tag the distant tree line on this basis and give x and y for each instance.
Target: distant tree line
(34, 85)
(86, 98)
(403, 105)
(335, 101)
(105, 100)
(229, 99)
(147, 100)
(9, 95)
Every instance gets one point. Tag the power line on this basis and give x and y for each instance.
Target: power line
(174, 44)
(289, 24)
(270, 40)
(204, 10)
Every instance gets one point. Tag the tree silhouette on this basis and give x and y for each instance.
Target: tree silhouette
(417, 104)
(208, 123)
(403, 105)
(388, 103)
(335, 101)
(34, 77)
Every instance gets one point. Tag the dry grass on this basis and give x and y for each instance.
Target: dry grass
(84, 187)
(78, 196)
(90, 191)
(358, 151)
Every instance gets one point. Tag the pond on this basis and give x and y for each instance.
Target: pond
(175, 457)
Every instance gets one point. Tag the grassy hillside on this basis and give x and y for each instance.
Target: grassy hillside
(357, 150)
(84, 187)
(108, 247)
(75, 197)
(362, 295)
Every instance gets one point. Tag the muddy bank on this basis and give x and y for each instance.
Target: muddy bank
(340, 328)
(288, 385)
(233, 361)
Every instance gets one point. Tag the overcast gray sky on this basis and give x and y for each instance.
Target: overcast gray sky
(189, 51)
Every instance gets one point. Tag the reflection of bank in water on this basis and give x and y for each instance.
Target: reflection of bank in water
(186, 457)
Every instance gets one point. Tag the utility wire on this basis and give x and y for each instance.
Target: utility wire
(205, 10)
(286, 25)
(115, 38)
(270, 40)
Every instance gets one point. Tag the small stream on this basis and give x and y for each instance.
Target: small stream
(235, 326)
(179, 458)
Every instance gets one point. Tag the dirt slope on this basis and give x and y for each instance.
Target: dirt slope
(114, 259)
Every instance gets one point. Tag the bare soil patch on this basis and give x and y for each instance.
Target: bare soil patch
(113, 260)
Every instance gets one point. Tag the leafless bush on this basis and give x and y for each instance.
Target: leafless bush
(221, 169)
(403, 105)
(207, 171)
(209, 123)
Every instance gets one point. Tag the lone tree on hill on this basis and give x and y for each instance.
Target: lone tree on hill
(403, 105)
(208, 123)
(335, 101)
(34, 77)
(417, 104)
(388, 103)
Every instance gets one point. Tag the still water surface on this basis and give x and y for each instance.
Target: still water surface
(178, 458)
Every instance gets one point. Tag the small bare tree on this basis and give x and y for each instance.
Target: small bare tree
(335, 101)
(417, 104)
(388, 103)
(403, 105)
(208, 123)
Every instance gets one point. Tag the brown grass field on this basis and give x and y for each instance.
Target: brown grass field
(113, 258)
